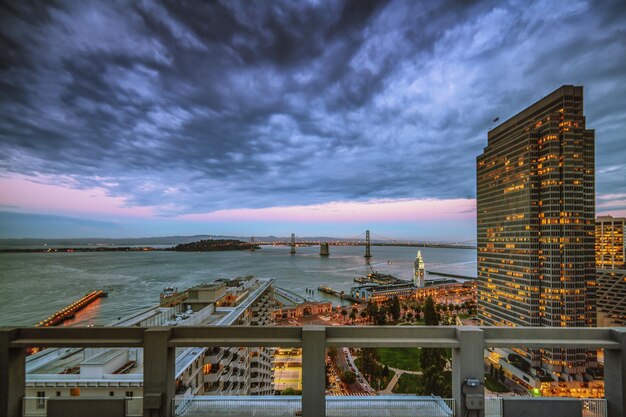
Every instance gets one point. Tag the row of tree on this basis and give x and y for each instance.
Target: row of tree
(433, 360)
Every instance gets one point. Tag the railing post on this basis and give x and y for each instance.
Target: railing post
(467, 362)
(313, 371)
(615, 375)
(12, 375)
(159, 369)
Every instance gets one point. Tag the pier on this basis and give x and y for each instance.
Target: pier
(328, 290)
(445, 274)
(69, 311)
(290, 295)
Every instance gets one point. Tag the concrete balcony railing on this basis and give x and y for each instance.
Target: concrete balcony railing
(214, 357)
(467, 344)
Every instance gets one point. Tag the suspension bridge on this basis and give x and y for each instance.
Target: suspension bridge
(363, 239)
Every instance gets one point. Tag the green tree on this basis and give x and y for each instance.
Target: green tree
(432, 360)
(491, 369)
(385, 372)
(353, 315)
(369, 362)
(433, 382)
(372, 310)
(431, 318)
(344, 313)
(417, 309)
(363, 314)
(348, 377)
(381, 317)
(394, 308)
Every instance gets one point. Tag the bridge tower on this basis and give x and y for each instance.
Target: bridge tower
(368, 253)
(292, 244)
(324, 251)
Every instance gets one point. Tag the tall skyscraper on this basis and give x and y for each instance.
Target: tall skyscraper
(611, 271)
(536, 217)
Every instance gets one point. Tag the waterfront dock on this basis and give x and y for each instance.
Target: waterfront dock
(328, 290)
(445, 274)
(290, 295)
(69, 311)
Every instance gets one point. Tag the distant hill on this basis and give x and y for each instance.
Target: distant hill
(140, 241)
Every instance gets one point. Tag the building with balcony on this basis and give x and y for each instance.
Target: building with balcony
(118, 372)
(535, 222)
(610, 271)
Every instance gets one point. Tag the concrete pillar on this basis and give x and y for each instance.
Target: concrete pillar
(159, 371)
(313, 371)
(12, 375)
(467, 362)
(615, 375)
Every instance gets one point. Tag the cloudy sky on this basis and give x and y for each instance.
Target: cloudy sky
(144, 118)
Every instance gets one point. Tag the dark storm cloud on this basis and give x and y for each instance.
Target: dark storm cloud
(212, 105)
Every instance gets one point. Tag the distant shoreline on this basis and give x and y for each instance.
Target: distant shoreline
(111, 249)
(200, 246)
(206, 249)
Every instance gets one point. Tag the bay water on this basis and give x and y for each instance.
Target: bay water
(35, 285)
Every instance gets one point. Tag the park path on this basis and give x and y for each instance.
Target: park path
(395, 378)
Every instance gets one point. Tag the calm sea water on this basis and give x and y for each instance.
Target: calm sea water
(35, 285)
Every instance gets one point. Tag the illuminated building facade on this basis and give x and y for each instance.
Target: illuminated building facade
(610, 242)
(535, 221)
(611, 271)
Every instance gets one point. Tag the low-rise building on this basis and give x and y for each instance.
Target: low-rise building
(308, 308)
(118, 372)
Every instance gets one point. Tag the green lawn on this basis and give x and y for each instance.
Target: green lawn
(494, 385)
(401, 358)
(407, 384)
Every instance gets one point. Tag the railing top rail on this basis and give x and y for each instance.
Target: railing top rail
(236, 336)
(364, 336)
(546, 337)
(76, 336)
(392, 336)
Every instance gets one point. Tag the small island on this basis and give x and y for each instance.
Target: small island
(214, 245)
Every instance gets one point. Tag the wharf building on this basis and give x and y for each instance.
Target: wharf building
(535, 223)
(118, 372)
(436, 287)
(305, 309)
(610, 271)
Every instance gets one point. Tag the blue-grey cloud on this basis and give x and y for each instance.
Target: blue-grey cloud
(201, 106)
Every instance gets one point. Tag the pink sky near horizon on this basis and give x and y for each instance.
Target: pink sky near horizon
(25, 195)
(386, 210)
(41, 198)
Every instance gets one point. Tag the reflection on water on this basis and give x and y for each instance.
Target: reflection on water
(37, 285)
(87, 316)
